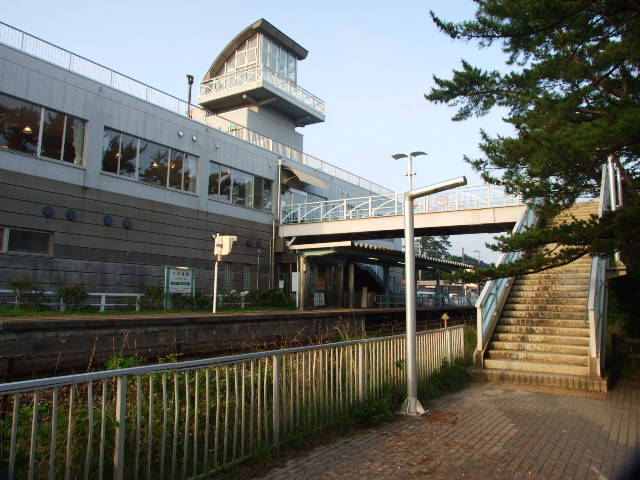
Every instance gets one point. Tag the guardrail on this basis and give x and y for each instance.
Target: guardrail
(48, 52)
(191, 419)
(494, 293)
(596, 317)
(260, 73)
(102, 304)
(463, 198)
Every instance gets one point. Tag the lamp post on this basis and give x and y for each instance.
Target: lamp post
(411, 405)
(410, 173)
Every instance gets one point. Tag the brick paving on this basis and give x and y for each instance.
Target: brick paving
(491, 431)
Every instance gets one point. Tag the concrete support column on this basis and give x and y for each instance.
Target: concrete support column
(387, 285)
(340, 285)
(302, 276)
(352, 284)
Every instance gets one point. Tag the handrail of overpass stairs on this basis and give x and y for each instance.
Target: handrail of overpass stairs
(596, 314)
(494, 293)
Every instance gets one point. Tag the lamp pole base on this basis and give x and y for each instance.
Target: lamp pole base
(412, 406)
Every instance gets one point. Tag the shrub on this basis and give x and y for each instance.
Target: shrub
(119, 361)
(73, 296)
(180, 301)
(29, 295)
(153, 298)
(274, 298)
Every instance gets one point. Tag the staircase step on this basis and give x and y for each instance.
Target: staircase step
(541, 322)
(542, 379)
(548, 279)
(558, 306)
(540, 357)
(549, 300)
(544, 296)
(540, 347)
(540, 367)
(542, 314)
(538, 338)
(533, 330)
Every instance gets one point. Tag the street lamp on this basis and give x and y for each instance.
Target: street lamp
(410, 173)
(411, 405)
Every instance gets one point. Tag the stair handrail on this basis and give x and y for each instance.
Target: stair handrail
(495, 292)
(596, 315)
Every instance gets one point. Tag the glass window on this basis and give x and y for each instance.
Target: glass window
(225, 184)
(274, 56)
(291, 69)
(175, 169)
(52, 134)
(19, 125)
(74, 141)
(214, 180)
(190, 173)
(266, 59)
(242, 193)
(226, 278)
(28, 241)
(153, 163)
(282, 64)
(110, 150)
(262, 199)
(128, 156)
(246, 277)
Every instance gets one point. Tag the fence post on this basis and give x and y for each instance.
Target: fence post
(361, 373)
(103, 300)
(276, 400)
(121, 418)
(448, 335)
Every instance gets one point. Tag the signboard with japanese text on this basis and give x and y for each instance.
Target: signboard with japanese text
(180, 280)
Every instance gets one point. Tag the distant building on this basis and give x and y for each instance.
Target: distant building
(104, 180)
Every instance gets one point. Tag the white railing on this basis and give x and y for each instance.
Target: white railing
(259, 73)
(596, 317)
(464, 198)
(494, 294)
(190, 419)
(70, 61)
(105, 301)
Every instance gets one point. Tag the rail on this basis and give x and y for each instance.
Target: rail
(464, 198)
(62, 58)
(260, 73)
(494, 293)
(132, 300)
(190, 419)
(596, 315)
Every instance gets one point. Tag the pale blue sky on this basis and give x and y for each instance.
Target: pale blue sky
(370, 61)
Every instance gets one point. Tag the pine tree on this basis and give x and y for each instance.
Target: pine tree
(572, 92)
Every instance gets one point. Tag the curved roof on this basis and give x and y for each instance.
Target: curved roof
(260, 26)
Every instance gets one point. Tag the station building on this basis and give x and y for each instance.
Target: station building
(104, 180)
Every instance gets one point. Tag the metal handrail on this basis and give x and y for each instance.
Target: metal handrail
(129, 423)
(34, 46)
(463, 198)
(494, 293)
(259, 73)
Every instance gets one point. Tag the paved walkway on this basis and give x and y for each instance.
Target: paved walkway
(491, 431)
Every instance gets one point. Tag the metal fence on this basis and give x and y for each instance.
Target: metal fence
(189, 419)
(464, 198)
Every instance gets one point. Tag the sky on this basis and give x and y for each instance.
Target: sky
(370, 61)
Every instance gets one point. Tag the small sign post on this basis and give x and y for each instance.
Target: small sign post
(180, 280)
(221, 246)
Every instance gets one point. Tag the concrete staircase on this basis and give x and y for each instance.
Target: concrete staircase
(541, 337)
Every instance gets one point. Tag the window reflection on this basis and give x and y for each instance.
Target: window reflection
(62, 136)
(110, 151)
(242, 193)
(190, 173)
(153, 163)
(128, 156)
(175, 169)
(19, 125)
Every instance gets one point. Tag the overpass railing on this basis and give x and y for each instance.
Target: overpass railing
(494, 293)
(464, 198)
(190, 419)
(596, 315)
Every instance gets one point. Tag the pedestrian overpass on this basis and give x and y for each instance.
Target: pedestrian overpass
(465, 210)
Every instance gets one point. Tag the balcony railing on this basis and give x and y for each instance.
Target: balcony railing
(191, 419)
(464, 198)
(62, 58)
(259, 73)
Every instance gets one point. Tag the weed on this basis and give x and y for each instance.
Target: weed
(119, 361)
(73, 296)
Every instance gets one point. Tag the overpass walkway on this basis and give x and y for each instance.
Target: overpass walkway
(477, 209)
